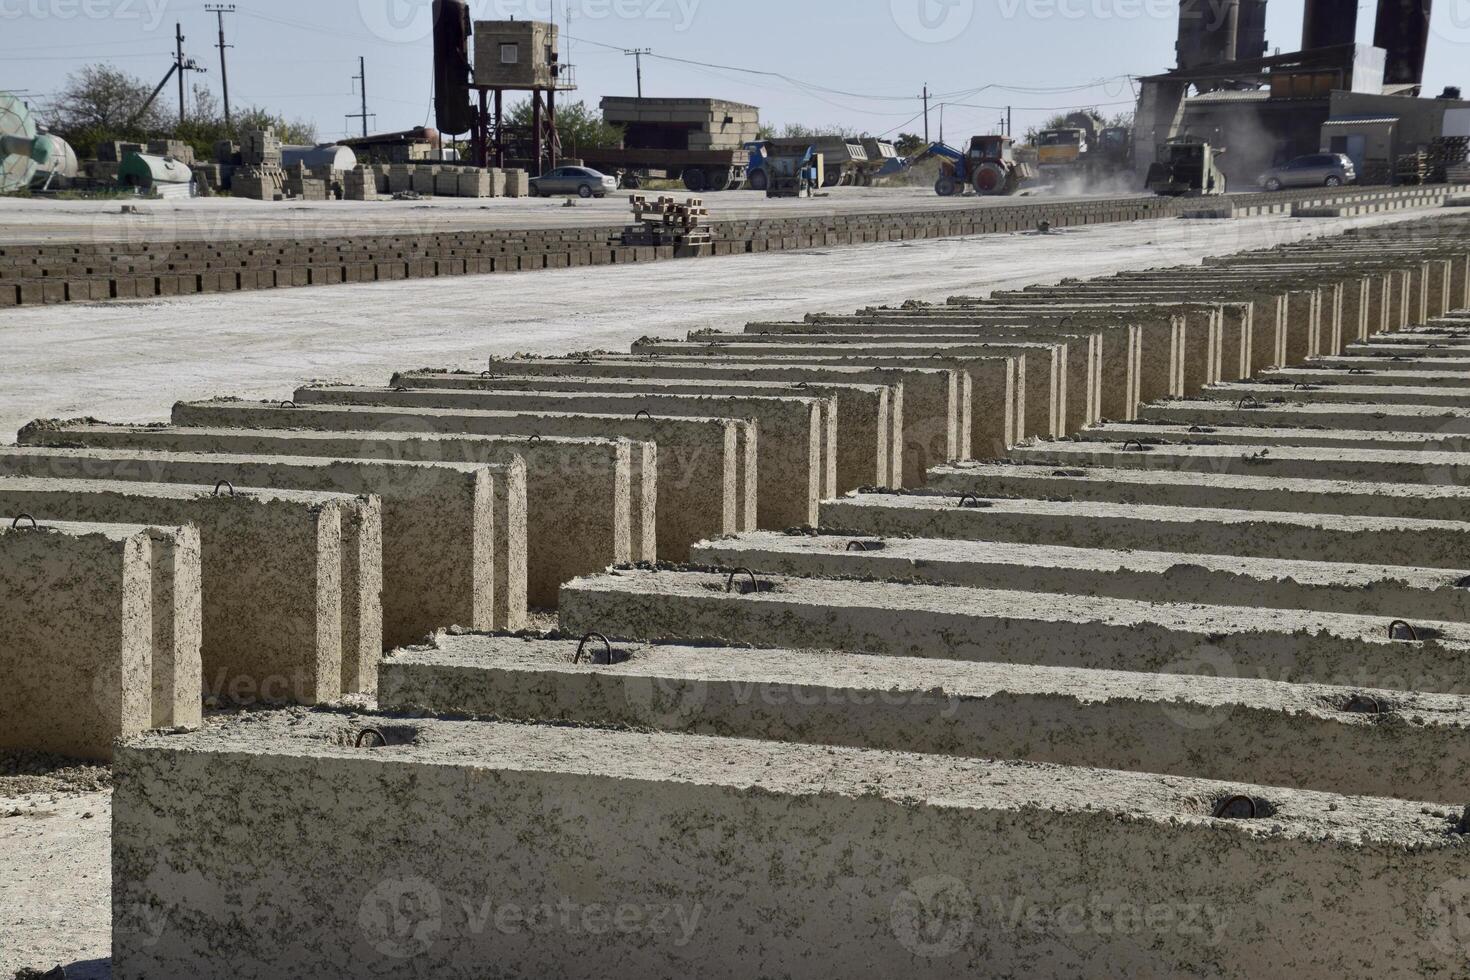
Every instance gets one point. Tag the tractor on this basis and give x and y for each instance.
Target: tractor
(990, 167)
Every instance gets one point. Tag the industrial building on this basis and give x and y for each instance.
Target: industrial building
(1333, 95)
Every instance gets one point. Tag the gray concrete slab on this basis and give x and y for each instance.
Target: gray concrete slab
(1338, 394)
(909, 460)
(1302, 736)
(1046, 372)
(1431, 420)
(995, 626)
(1152, 527)
(990, 396)
(102, 633)
(1273, 583)
(585, 510)
(454, 534)
(1298, 462)
(1154, 433)
(1192, 488)
(856, 417)
(529, 840)
(699, 460)
(291, 579)
(795, 461)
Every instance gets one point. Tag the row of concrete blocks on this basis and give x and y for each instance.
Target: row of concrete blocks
(20, 286)
(799, 796)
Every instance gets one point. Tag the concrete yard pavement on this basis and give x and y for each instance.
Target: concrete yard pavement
(261, 344)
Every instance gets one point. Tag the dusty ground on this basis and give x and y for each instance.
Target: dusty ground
(42, 220)
(130, 361)
(54, 866)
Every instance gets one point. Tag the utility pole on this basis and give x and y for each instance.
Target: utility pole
(179, 60)
(926, 113)
(1008, 122)
(638, 54)
(219, 10)
(361, 79)
(181, 65)
(941, 122)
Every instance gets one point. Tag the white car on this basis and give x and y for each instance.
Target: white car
(582, 181)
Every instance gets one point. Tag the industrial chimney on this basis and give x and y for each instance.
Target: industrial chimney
(1403, 31)
(1208, 31)
(453, 113)
(1328, 23)
(1250, 42)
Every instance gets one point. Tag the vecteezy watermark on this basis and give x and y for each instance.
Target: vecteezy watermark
(932, 21)
(1451, 21)
(403, 918)
(1446, 917)
(1210, 13)
(934, 917)
(411, 21)
(149, 12)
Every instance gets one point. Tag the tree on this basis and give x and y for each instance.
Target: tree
(101, 103)
(909, 144)
(579, 127)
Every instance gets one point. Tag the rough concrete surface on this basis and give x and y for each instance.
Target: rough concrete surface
(753, 855)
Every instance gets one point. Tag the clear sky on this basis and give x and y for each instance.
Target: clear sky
(857, 63)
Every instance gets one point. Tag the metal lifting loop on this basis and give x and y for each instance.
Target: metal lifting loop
(1224, 808)
(362, 736)
(15, 524)
(755, 583)
(287, 404)
(1397, 624)
(643, 413)
(224, 483)
(582, 648)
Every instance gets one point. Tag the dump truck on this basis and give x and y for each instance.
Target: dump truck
(990, 166)
(699, 141)
(1186, 168)
(792, 172)
(1084, 149)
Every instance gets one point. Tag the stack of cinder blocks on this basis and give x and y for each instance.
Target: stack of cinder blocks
(1156, 581)
(360, 184)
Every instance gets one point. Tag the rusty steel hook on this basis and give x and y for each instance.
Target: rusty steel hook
(582, 648)
(755, 583)
(1408, 627)
(224, 483)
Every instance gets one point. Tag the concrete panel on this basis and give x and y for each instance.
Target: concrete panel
(993, 414)
(995, 626)
(1304, 462)
(699, 460)
(1337, 394)
(291, 579)
(454, 534)
(1274, 583)
(795, 464)
(1303, 736)
(856, 417)
(1262, 436)
(820, 378)
(584, 508)
(101, 626)
(1368, 416)
(1193, 488)
(928, 853)
(1187, 530)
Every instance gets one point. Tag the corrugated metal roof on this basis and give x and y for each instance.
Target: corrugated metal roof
(1360, 120)
(1252, 95)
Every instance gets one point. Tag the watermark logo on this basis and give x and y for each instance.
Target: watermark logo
(401, 917)
(666, 703)
(1205, 660)
(149, 12)
(1446, 917)
(933, 917)
(412, 21)
(398, 21)
(932, 21)
(1451, 22)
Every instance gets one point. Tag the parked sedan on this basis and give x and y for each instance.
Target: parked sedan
(1313, 170)
(581, 181)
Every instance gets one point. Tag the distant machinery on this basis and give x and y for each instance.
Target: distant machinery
(26, 153)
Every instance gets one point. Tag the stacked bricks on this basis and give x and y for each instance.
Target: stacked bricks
(37, 274)
(1210, 653)
(360, 184)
